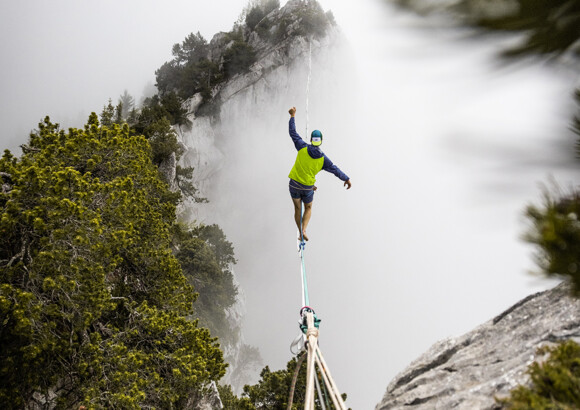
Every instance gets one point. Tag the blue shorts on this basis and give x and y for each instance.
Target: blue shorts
(304, 192)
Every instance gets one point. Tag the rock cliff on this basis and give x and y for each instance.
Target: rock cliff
(467, 372)
(279, 65)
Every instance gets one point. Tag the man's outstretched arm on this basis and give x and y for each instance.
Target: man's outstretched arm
(298, 141)
(333, 169)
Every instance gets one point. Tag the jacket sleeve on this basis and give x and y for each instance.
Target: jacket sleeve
(298, 141)
(333, 169)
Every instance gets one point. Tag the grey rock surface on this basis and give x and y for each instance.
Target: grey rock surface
(467, 372)
(209, 401)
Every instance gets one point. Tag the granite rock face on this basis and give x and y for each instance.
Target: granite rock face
(467, 372)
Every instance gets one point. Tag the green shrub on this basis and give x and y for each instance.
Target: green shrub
(554, 384)
(273, 389)
(254, 16)
(555, 231)
(259, 10)
(238, 58)
(313, 21)
(190, 71)
(206, 256)
(94, 306)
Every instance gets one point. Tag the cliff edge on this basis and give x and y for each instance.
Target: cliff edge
(467, 372)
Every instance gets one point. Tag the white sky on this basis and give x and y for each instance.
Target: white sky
(482, 127)
(66, 58)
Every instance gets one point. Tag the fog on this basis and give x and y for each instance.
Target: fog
(66, 58)
(444, 145)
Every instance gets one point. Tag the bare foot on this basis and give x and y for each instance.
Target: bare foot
(304, 235)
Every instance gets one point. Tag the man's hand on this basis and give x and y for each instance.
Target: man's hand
(292, 111)
(347, 184)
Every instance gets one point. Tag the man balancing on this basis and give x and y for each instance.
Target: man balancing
(309, 161)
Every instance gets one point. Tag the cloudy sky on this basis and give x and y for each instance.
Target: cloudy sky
(442, 166)
(66, 58)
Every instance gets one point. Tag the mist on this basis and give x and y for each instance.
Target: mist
(66, 59)
(444, 146)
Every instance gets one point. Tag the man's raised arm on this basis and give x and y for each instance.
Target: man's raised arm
(298, 141)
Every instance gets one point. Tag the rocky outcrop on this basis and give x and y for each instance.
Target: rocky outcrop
(278, 64)
(467, 372)
(209, 401)
(278, 67)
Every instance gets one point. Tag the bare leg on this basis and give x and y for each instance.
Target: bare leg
(297, 211)
(306, 218)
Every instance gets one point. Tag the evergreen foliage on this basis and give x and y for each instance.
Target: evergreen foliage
(193, 49)
(255, 16)
(313, 21)
(190, 71)
(273, 390)
(206, 256)
(127, 104)
(554, 384)
(93, 303)
(238, 57)
(551, 27)
(555, 231)
(154, 121)
(248, 360)
(183, 176)
(108, 115)
(169, 106)
(232, 402)
(163, 141)
(198, 68)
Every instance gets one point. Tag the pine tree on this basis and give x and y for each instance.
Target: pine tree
(93, 303)
(127, 103)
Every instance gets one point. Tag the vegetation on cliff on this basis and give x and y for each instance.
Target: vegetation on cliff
(554, 383)
(206, 256)
(272, 390)
(94, 305)
(199, 67)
